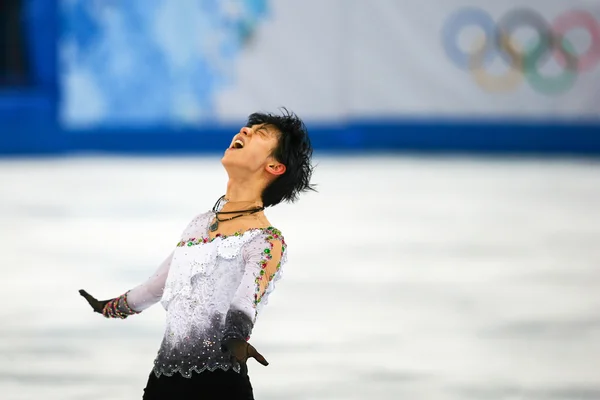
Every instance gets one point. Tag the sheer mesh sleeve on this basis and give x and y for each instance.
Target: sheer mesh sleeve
(150, 292)
(262, 258)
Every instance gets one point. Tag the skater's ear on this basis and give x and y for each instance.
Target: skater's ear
(275, 168)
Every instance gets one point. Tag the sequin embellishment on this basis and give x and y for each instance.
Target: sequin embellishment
(266, 257)
(205, 275)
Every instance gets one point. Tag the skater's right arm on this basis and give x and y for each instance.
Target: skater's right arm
(135, 300)
(150, 292)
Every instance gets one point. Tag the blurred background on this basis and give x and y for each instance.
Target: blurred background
(453, 249)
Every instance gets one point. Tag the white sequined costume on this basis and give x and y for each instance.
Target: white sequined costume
(211, 290)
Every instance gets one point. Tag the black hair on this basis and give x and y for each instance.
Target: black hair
(294, 150)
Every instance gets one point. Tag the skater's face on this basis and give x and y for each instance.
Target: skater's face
(251, 151)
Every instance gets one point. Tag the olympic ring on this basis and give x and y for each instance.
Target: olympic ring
(468, 16)
(494, 83)
(561, 83)
(569, 21)
(518, 18)
(551, 41)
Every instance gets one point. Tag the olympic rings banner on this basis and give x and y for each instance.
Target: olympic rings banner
(510, 59)
(201, 62)
(524, 60)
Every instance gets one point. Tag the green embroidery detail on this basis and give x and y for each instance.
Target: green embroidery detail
(273, 234)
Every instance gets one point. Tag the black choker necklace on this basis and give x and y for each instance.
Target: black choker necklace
(215, 225)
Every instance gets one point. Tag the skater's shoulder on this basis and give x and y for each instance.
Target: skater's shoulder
(265, 225)
(257, 226)
(203, 216)
(198, 221)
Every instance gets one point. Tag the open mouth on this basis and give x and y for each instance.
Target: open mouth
(237, 144)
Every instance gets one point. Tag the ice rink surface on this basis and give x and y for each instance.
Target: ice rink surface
(408, 278)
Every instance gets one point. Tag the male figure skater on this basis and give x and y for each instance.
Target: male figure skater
(223, 267)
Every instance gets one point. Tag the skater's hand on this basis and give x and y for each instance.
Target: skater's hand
(97, 305)
(241, 351)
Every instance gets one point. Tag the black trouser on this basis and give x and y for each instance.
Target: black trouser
(221, 385)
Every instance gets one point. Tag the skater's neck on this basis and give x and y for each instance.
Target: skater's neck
(244, 193)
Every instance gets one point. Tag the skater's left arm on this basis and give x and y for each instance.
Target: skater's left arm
(262, 257)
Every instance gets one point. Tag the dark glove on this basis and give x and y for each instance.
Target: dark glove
(97, 305)
(110, 308)
(241, 351)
